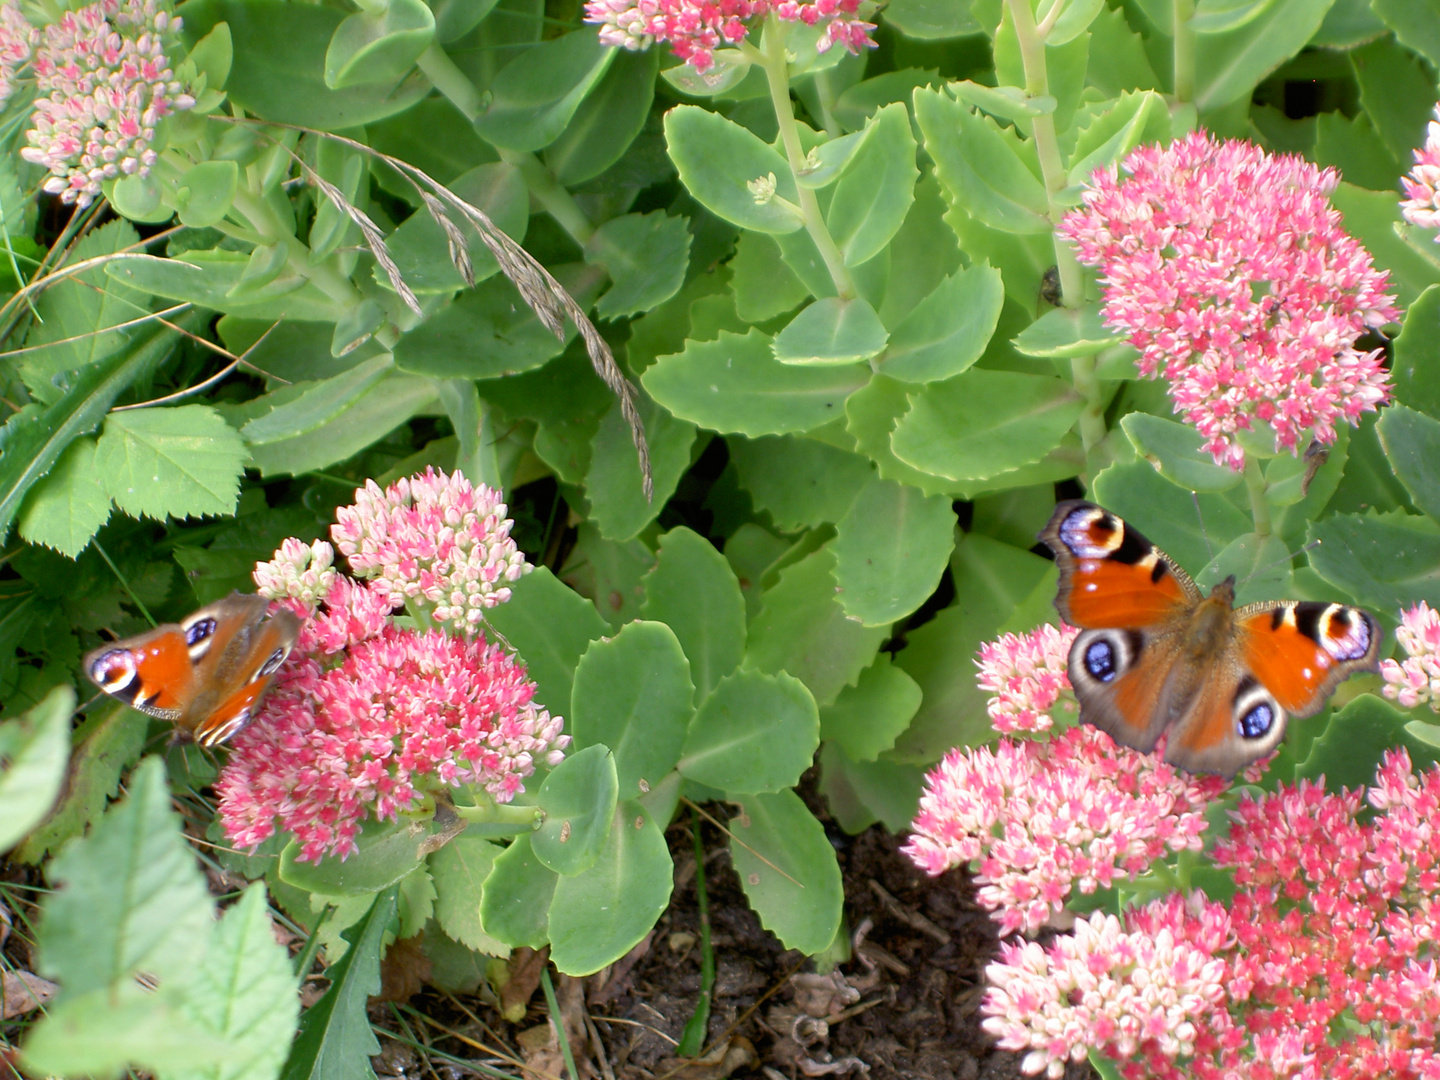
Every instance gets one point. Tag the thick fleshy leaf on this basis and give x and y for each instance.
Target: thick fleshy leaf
(459, 871)
(421, 249)
(1136, 118)
(633, 694)
(613, 483)
(1178, 453)
(578, 798)
(877, 187)
(1065, 332)
(597, 917)
(735, 384)
(1230, 64)
(221, 279)
(1188, 527)
(1373, 218)
(1412, 444)
(831, 332)
(1354, 739)
(550, 626)
(1386, 563)
(380, 46)
(948, 330)
(867, 718)
(788, 869)
(1395, 88)
(860, 793)
(608, 120)
(871, 414)
(317, 403)
(1416, 364)
(533, 98)
(719, 160)
(799, 482)
(890, 551)
(645, 255)
(984, 423)
(1259, 564)
(927, 20)
(515, 904)
(693, 591)
(763, 285)
(388, 851)
(754, 733)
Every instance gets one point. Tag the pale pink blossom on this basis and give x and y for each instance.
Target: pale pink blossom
(17, 42)
(433, 539)
(1416, 679)
(366, 717)
(1228, 268)
(1039, 820)
(694, 29)
(104, 82)
(1027, 673)
(299, 571)
(1422, 185)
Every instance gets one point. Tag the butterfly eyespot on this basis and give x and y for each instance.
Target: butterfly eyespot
(113, 671)
(1100, 660)
(1258, 721)
(198, 635)
(272, 663)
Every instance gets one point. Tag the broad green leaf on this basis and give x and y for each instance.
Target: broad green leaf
(1372, 217)
(830, 333)
(378, 46)
(1126, 65)
(719, 160)
(646, 256)
(877, 187)
(216, 279)
(871, 414)
(133, 901)
(1387, 562)
(860, 793)
(1396, 91)
(788, 869)
(533, 98)
(922, 255)
(1348, 24)
(1217, 16)
(110, 742)
(984, 423)
(799, 482)
(1073, 21)
(459, 870)
(578, 798)
(763, 285)
(927, 20)
(633, 694)
(387, 851)
(183, 461)
(608, 120)
(206, 192)
(890, 551)
(1259, 564)
(1064, 333)
(1168, 514)
(317, 403)
(754, 733)
(1178, 453)
(609, 573)
(947, 331)
(1355, 147)
(1003, 102)
(68, 507)
(598, 916)
(992, 580)
(1353, 740)
(613, 483)
(1416, 364)
(368, 418)
(984, 168)
(335, 1038)
(1230, 64)
(102, 1031)
(549, 626)
(1136, 118)
(1416, 24)
(802, 630)
(693, 591)
(867, 718)
(75, 315)
(1412, 444)
(33, 753)
(421, 249)
(516, 901)
(735, 384)
(278, 67)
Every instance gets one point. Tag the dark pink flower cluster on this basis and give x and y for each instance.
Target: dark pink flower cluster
(1228, 269)
(694, 29)
(1327, 955)
(1422, 186)
(1028, 675)
(104, 83)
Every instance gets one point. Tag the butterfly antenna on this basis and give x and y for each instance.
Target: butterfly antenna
(124, 583)
(1204, 532)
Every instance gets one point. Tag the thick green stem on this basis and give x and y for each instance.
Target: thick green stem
(1184, 56)
(1052, 172)
(446, 77)
(323, 276)
(524, 818)
(777, 73)
(1259, 506)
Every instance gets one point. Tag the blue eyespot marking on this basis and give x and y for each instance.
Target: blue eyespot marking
(1100, 660)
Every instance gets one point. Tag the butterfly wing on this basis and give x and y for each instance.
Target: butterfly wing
(244, 654)
(151, 672)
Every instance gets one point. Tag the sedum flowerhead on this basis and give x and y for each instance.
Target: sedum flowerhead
(1422, 186)
(367, 717)
(1416, 679)
(299, 571)
(436, 539)
(104, 82)
(17, 42)
(1227, 268)
(1040, 819)
(1027, 673)
(694, 29)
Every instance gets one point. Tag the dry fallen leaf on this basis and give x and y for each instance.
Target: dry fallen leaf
(22, 992)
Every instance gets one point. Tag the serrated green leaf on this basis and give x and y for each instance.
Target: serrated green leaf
(633, 694)
(386, 852)
(1353, 740)
(459, 870)
(1412, 444)
(860, 793)
(890, 551)
(103, 1031)
(801, 483)
(1178, 453)
(646, 256)
(718, 160)
(755, 733)
(1065, 332)
(314, 404)
(867, 718)
(1387, 563)
(876, 188)
(550, 626)
(34, 750)
(1259, 564)
(335, 1041)
(947, 331)
(1416, 364)
(1230, 64)
(1395, 90)
(134, 900)
(1167, 513)
(68, 507)
(830, 333)
(613, 483)
(693, 591)
(598, 916)
(178, 462)
(534, 96)
(788, 869)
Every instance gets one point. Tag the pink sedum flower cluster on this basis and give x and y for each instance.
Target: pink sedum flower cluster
(17, 42)
(1027, 673)
(694, 29)
(104, 82)
(1327, 954)
(1041, 819)
(436, 539)
(367, 716)
(1228, 269)
(1416, 679)
(1422, 186)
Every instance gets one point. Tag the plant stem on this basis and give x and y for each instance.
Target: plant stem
(447, 77)
(692, 1041)
(1259, 506)
(777, 73)
(1182, 11)
(323, 276)
(526, 817)
(558, 1023)
(1052, 172)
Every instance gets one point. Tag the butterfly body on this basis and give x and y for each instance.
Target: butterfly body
(206, 673)
(1156, 656)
